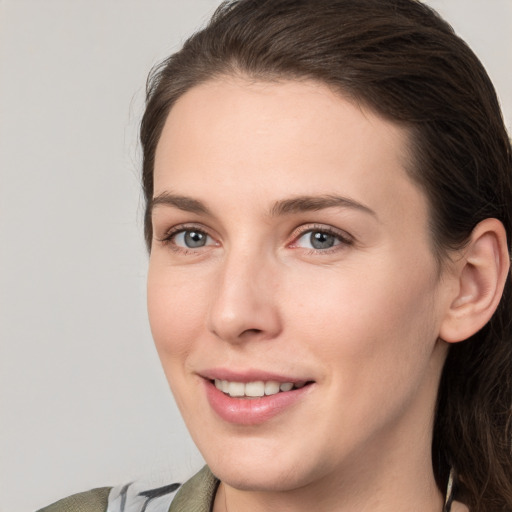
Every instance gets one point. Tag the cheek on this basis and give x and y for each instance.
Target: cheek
(176, 317)
(382, 316)
(176, 310)
(374, 337)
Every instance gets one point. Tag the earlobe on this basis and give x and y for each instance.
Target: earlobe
(480, 275)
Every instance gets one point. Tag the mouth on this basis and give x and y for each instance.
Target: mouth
(244, 400)
(256, 389)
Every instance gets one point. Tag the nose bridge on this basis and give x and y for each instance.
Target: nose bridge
(244, 299)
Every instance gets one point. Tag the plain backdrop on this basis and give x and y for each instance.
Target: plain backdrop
(83, 401)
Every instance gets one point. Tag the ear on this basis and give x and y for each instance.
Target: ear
(480, 276)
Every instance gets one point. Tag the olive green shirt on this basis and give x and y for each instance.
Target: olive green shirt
(195, 495)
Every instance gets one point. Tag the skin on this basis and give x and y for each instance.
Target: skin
(360, 319)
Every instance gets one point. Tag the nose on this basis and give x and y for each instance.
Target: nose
(245, 303)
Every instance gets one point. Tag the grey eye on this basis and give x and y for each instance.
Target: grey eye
(192, 239)
(321, 240)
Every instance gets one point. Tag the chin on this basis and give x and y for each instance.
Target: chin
(260, 479)
(262, 465)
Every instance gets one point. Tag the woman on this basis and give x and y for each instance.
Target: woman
(328, 187)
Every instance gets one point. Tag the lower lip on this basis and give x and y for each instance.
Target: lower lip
(252, 411)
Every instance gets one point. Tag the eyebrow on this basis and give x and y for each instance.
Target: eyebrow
(315, 203)
(283, 207)
(184, 203)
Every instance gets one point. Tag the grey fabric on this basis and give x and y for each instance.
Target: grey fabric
(95, 500)
(141, 496)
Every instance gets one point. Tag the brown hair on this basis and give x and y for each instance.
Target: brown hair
(403, 61)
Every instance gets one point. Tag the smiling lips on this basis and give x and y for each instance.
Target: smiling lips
(253, 402)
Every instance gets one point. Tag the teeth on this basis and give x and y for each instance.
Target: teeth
(286, 386)
(236, 389)
(255, 389)
(271, 387)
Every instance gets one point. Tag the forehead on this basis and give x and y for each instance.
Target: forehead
(287, 137)
(287, 107)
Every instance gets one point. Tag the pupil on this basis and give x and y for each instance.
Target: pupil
(195, 239)
(321, 240)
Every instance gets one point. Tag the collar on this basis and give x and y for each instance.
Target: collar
(197, 494)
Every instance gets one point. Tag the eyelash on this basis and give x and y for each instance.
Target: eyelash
(343, 238)
(168, 239)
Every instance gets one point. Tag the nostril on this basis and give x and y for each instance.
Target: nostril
(251, 331)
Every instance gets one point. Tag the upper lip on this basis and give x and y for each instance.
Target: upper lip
(249, 375)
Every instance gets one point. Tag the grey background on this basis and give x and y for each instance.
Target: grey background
(83, 401)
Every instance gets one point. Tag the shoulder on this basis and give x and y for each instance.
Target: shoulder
(140, 496)
(195, 494)
(95, 500)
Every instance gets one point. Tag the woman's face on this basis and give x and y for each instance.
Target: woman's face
(291, 248)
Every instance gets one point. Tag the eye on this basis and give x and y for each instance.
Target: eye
(317, 240)
(191, 239)
(321, 239)
(181, 239)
